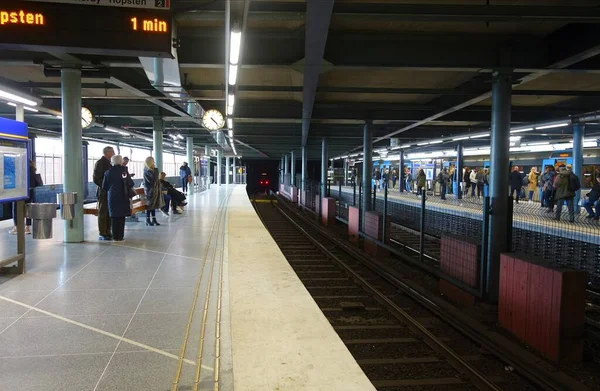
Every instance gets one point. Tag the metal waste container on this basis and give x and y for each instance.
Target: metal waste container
(41, 216)
(67, 203)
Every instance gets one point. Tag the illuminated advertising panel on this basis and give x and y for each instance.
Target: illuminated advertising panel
(14, 178)
(40, 26)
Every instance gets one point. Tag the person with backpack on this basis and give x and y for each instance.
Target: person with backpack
(443, 181)
(565, 186)
(547, 184)
(408, 183)
(467, 180)
(516, 182)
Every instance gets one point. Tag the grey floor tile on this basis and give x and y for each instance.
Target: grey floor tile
(45, 265)
(51, 336)
(35, 281)
(92, 302)
(5, 322)
(110, 280)
(167, 300)
(115, 324)
(26, 297)
(143, 371)
(140, 261)
(60, 373)
(181, 273)
(162, 331)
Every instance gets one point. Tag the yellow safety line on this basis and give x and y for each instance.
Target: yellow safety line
(200, 351)
(177, 377)
(218, 322)
(99, 331)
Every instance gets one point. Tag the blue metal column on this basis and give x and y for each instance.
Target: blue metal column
(578, 135)
(459, 171)
(304, 168)
(367, 170)
(499, 161)
(323, 167)
(157, 138)
(191, 164)
(71, 137)
(293, 169)
(401, 173)
(219, 163)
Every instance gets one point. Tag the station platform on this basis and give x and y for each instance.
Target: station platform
(205, 301)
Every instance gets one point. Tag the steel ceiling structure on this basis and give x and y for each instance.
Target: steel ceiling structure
(418, 70)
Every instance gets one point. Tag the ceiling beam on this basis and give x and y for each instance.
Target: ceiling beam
(318, 16)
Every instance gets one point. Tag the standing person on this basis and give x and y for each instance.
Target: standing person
(409, 179)
(548, 188)
(100, 168)
(34, 181)
(480, 177)
(377, 178)
(593, 198)
(184, 174)
(421, 181)
(516, 182)
(153, 191)
(467, 180)
(394, 178)
(565, 185)
(532, 185)
(125, 163)
(385, 179)
(116, 184)
(473, 181)
(443, 181)
(451, 179)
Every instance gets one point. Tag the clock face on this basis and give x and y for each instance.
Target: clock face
(87, 118)
(213, 120)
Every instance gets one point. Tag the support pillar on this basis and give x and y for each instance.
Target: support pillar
(227, 169)
(71, 137)
(191, 163)
(401, 173)
(157, 142)
(292, 169)
(499, 159)
(346, 172)
(324, 168)
(233, 169)
(367, 171)
(578, 135)
(282, 170)
(219, 169)
(286, 159)
(304, 163)
(84, 169)
(459, 170)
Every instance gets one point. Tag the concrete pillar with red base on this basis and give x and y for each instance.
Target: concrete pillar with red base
(353, 224)
(328, 212)
(374, 228)
(294, 195)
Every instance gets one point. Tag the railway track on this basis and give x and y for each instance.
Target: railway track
(399, 343)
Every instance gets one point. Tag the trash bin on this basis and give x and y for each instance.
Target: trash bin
(41, 216)
(67, 203)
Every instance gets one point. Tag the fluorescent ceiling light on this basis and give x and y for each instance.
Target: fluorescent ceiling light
(436, 142)
(405, 146)
(30, 109)
(480, 135)
(11, 104)
(58, 116)
(16, 98)
(552, 126)
(423, 144)
(539, 143)
(230, 133)
(515, 138)
(521, 130)
(180, 137)
(229, 110)
(460, 138)
(230, 123)
(231, 100)
(233, 70)
(234, 47)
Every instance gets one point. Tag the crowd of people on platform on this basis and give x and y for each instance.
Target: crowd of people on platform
(115, 190)
(556, 186)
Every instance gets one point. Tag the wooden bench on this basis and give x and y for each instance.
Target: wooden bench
(137, 205)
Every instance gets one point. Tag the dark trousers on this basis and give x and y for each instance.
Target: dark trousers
(150, 213)
(443, 190)
(515, 190)
(184, 184)
(480, 190)
(570, 206)
(169, 202)
(103, 218)
(118, 227)
(547, 199)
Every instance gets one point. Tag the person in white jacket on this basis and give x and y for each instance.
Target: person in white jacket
(473, 179)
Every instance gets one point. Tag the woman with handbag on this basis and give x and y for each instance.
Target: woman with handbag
(119, 188)
(153, 191)
(35, 180)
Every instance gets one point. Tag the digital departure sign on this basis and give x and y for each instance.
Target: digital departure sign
(69, 28)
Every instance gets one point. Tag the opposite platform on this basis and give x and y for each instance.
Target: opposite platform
(154, 312)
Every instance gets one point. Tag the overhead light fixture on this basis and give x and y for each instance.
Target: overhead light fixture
(521, 130)
(552, 126)
(16, 98)
(231, 100)
(59, 116)
(30, 109)
(233, 70)
(405, 146)
(422, 144)
(230, 133)
(229, 110)
(460, 138)
(539, 143)
(436, 142)
(234, 47)
(480, 135)
(230, 123)
(180, 137)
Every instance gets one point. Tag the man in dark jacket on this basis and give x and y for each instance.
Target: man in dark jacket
(184, 174)
(564, 192)
(173, 197)
(593, 198)
(443, 181)
(547, 183)
(516, 182)
(101, 166)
